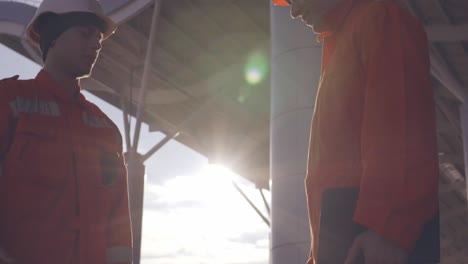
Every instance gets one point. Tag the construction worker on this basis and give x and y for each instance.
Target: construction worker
(374, 123)
(63, 182)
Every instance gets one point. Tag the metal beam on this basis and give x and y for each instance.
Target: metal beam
(163, 124)
(145, 78)
(444, 12)
(445, 109)
(252, 204)
(176, 132)
(160, 144)
(34, 53)
(440, 71)
(126, 121)
(267, 206)
(136, 168)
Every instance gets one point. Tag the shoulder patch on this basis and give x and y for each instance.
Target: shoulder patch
(102, 118)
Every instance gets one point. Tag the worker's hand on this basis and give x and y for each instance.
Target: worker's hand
(4, 258)
(376, 250)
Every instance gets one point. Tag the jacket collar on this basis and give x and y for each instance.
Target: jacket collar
(332, 20)
(46, 82)
(332, 23)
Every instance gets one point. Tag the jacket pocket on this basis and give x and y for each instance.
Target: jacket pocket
(40, 156)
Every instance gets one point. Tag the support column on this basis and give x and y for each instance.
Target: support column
(296, 60)
(136, 169)
(136, 186)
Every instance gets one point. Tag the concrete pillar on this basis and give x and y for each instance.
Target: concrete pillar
(136, 186)
(296, 60)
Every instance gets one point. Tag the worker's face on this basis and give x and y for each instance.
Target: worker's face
(310, 11)
(77, 49)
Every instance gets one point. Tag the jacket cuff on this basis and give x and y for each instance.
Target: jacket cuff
(400, 229)
(119, 255)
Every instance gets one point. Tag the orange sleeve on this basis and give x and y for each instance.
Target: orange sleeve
(399, 184)
(6, 117)
(119, 243)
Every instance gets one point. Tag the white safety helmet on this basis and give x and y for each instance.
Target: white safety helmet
(68, 6)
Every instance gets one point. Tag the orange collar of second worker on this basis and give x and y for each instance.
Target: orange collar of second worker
(334, 19)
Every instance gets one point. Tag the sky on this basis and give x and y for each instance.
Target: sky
(192, 213)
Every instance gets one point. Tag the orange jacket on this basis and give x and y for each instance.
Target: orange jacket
(63, 183)
(374, 120)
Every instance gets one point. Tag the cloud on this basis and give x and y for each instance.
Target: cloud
(255, 238)
(178, 254)
(201, 219)
(168, 162)
(151, 204)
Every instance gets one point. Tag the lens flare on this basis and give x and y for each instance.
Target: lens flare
(256, 68)
(254, 76)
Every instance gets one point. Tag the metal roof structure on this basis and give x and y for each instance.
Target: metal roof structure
(197, 82)
(447, 27)
(197, 92)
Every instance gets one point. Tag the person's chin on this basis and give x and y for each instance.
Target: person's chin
(315, 27)
(310, 22)
(311, 25)
(87, 70)
(85, 73)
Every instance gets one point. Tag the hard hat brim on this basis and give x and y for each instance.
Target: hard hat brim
(32, 31)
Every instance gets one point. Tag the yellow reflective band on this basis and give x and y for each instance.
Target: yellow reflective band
(32, 105)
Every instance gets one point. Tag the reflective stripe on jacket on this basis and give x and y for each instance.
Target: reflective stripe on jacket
(63, 186)
(374, 120)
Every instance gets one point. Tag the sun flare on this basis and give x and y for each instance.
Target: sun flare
(205, 216)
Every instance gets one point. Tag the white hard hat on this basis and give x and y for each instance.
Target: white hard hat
(68, 6)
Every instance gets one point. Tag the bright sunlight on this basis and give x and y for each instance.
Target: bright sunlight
(194, 214)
